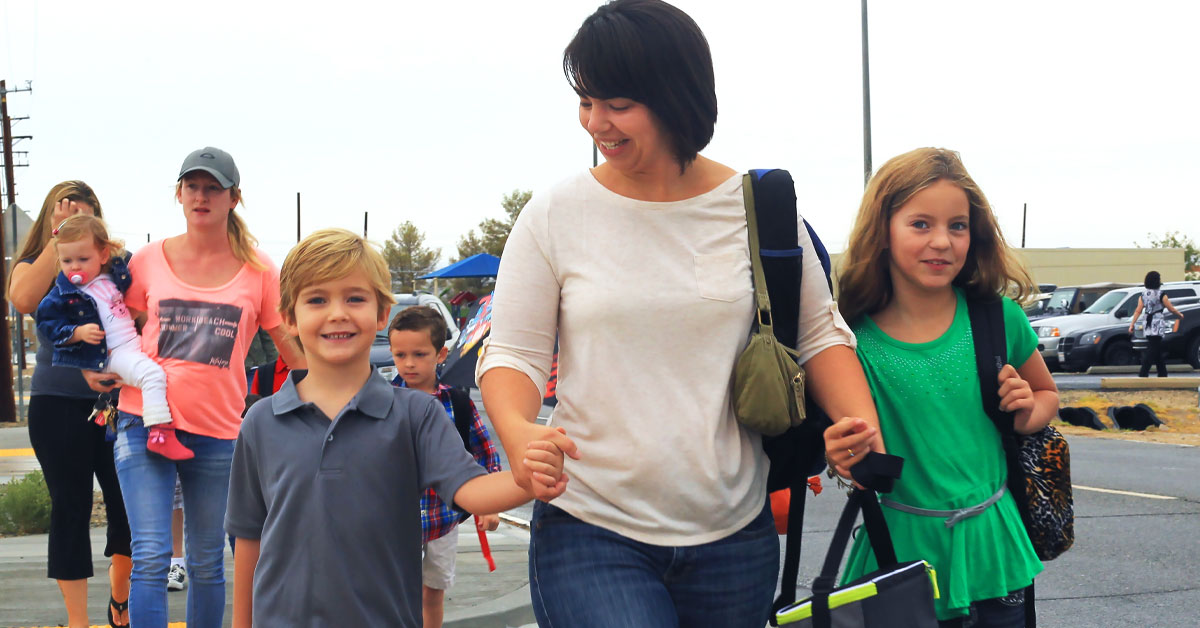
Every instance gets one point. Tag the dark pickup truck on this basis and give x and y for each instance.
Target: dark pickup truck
(1184, 342)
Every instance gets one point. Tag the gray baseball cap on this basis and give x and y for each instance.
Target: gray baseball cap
(214, 161)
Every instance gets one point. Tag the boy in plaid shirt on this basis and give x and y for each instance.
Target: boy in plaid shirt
(417, 338)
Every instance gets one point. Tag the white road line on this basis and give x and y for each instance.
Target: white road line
(1129, 493)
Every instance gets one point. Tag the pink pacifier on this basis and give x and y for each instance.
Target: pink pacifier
(76, 278)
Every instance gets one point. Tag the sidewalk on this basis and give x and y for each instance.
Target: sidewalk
(479, 599)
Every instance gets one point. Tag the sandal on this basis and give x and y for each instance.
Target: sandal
(120, 606)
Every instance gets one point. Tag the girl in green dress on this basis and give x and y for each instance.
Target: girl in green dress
(924, 241)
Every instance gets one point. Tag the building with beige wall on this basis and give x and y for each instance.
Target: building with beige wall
(1075, 267)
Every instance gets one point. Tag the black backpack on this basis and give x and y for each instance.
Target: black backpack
(460, 402)
(798, 453)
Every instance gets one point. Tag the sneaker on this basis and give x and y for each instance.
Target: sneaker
(164, 442)
(176, 578)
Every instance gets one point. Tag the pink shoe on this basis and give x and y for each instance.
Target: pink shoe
(163, 442)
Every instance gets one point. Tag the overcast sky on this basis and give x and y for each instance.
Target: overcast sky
(432, 111)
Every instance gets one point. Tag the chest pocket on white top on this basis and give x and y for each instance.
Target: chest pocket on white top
(723, 276)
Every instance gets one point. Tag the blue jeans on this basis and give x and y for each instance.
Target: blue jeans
(585, 576)
(148, 483)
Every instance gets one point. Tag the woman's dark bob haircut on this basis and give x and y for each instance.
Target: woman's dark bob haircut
(1153, 280)
(652, 53)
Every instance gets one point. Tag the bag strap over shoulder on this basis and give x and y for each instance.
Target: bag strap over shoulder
(460, 403)
(762, 300)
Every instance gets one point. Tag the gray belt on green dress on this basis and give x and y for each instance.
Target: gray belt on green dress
(952, 516)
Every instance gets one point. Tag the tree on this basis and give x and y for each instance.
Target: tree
(491, 238)
(408, 257)
(1177, 240)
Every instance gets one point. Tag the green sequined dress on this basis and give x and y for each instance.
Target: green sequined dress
(930, 412)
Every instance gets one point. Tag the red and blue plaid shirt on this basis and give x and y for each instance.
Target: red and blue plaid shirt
(437, 518)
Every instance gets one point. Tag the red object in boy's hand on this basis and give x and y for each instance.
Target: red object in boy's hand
(484, 547)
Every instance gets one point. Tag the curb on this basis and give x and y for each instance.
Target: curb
(1115, 370)
(1150, 383)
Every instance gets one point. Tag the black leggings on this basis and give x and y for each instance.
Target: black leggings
(1153, 355)
(70, 450)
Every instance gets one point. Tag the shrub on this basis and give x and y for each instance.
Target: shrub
(25, 505)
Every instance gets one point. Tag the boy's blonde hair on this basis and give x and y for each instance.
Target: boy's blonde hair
(329, 255)
(83, 226)
(865, 281)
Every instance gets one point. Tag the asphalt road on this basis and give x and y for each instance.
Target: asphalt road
(1136, 559)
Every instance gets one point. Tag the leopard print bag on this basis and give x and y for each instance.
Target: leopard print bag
(1045, 461)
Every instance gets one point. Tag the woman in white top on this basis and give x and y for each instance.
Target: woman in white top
(1154, 304)
(641, 268)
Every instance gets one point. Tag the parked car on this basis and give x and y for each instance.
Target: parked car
(1107, 318)
(1182, 340)
(381, 355)
(1076, 299)
(1035, 307)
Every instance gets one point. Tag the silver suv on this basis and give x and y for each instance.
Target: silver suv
(1116, 306)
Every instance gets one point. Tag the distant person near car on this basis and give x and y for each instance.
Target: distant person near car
(1154, 304)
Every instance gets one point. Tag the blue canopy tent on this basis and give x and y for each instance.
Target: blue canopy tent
(478, 265)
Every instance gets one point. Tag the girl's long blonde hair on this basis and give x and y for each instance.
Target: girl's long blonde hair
(243, 244)
(864, 279)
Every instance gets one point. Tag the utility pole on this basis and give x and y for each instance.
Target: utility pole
(8, 404)
(1024, 215)
(866, 100)
(364, 225)
(297, 217)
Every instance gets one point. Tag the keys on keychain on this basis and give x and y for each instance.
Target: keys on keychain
(103, 411)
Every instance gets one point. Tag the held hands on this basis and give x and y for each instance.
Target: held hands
(89, 333)
(1015, 394)
(847, 442)
(544, 463)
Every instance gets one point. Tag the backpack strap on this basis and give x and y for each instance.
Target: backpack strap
(782, 261)
(460, 403)
(991, 354)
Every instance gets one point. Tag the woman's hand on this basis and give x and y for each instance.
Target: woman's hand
(847, 442)
(1016, 395)
(102, 382)
(543, 463)
(63, 210)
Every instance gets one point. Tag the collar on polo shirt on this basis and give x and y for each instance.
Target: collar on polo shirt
(374, 399)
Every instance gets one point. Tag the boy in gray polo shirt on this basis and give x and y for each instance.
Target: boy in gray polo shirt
(328, 472)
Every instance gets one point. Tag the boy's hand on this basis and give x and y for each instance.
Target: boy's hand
(1015, 393)
(89, 333)
(487, 522)
(847, 442)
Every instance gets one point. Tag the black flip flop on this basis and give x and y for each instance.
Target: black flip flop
(120, 606)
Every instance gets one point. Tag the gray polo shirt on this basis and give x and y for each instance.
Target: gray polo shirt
(336, 504)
